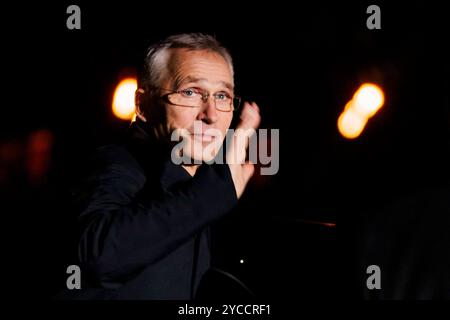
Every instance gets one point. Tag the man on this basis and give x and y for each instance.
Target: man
(144, 219)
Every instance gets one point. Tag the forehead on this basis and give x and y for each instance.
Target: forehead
(199, 64)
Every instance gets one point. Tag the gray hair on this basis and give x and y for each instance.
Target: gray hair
(157, 58)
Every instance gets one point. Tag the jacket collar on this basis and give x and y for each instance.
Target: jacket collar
(154, 155)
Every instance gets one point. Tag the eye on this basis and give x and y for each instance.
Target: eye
(190, 92)
(222, 96)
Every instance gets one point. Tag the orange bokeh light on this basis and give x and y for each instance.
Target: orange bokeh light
(367, 100)
(123, 105)
(350, 123)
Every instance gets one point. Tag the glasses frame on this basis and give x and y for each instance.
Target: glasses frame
(235, 100)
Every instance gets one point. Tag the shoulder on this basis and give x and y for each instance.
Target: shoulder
(115, 161)
(113, 153)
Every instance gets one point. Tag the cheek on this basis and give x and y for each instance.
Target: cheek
(224, 123)
(179, 119)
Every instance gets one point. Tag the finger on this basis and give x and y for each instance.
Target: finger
(255, 105)
(248, 169)
(249, 118)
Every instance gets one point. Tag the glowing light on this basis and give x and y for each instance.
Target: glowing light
(241, 261)
(123, 102)
(350, 124)
(367, 100)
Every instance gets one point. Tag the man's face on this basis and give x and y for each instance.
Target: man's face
(205, 126)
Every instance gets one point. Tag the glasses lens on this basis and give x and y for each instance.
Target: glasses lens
(185, 100)
(195, 100)
(224, 105)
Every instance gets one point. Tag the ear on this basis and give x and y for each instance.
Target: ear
(138, 101)
(138, 96)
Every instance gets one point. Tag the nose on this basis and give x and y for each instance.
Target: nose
(208, 113)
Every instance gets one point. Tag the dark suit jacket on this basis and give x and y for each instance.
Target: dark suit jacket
(144, 221)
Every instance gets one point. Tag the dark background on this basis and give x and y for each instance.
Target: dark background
(300, 63)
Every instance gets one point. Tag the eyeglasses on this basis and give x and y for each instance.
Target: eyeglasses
(195, 98)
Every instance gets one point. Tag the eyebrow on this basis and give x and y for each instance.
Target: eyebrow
(189, 79)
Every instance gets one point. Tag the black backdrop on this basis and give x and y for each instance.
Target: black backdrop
(300, 63)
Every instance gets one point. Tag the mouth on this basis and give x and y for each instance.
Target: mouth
(202, 137)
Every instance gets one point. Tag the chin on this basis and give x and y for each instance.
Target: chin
(202, 153)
